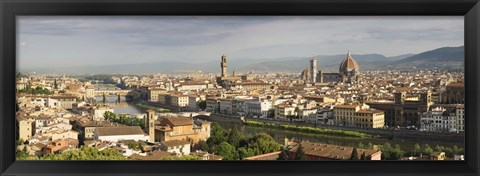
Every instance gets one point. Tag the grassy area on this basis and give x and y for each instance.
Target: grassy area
(307, 129)
(157, 109)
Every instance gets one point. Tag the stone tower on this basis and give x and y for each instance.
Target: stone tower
(313, 70)
(223, 64)
(150, 125)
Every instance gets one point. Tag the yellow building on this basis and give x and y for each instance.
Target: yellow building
(153, 94)
(182, 128)
(358, 116)
(179, 100)
(248, 86)
(25, 127)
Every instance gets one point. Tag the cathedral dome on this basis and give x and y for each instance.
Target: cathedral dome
(348, 64)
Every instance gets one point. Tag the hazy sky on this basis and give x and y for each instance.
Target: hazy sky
(80, 40)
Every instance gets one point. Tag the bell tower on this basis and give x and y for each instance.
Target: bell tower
(150, 125)
(223, 65)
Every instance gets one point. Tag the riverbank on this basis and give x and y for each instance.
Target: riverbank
(146, 106)
(307, 129)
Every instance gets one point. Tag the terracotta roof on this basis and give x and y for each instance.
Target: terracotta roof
(345, 106)
(329, 151)
(268, 156)
(155, 155)
(120, 130)
(179, 121)
(348, 63)
(370, 111)
(456, 84)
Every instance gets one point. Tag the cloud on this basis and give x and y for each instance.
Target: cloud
(127, 39)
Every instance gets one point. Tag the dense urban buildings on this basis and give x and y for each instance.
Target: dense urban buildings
(59, 113)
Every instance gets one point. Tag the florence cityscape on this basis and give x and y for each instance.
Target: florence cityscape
(240, 88)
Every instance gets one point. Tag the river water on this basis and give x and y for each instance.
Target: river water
(280, 135)
(121, 107)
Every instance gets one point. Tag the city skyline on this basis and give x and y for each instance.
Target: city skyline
(126, 40)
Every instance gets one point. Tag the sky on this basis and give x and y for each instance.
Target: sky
(47, 41)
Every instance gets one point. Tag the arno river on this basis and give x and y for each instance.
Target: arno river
(280, 135)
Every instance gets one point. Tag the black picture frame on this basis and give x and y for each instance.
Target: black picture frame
(9, 9)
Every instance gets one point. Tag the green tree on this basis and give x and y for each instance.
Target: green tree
(397, 153)
(354, 155)
(201, 145)
(457, 151)
(283, 155)
(218, 135)
(245, 152)
(227, 151)
(438, 148)
(387, 150)
(426, 150)
(363, 157)
(448, 152)
(86, 153)
(234, 137)
(360, 145)
(263, 143)
(370, 146)
(202, 105)
(416, 150)
(300, 154)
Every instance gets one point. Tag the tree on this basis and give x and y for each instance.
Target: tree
(360, 145)
(300, 154)
(227, 151)
(438, 148)
(397, 153)
(202, 104)
(245, 152)
(283, 155)
(354, 155)
(427, 150)
(386, 151)
(86, 153)
(201, 145)
(370, 146)
(263, 143)
(363, 157)
(218, 135)
(449, 152)
(234, 137)
(457, 151)
(416, 150)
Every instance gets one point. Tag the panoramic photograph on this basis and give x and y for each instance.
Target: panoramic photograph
(240, 88)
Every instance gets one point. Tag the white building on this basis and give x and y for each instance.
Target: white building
(118, 133)
(178, 147)
(325, 117)
(460, 113)
(258, 108)
(308, 115)
(439, 119)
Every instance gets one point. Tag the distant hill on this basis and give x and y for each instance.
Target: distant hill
(441, 58)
